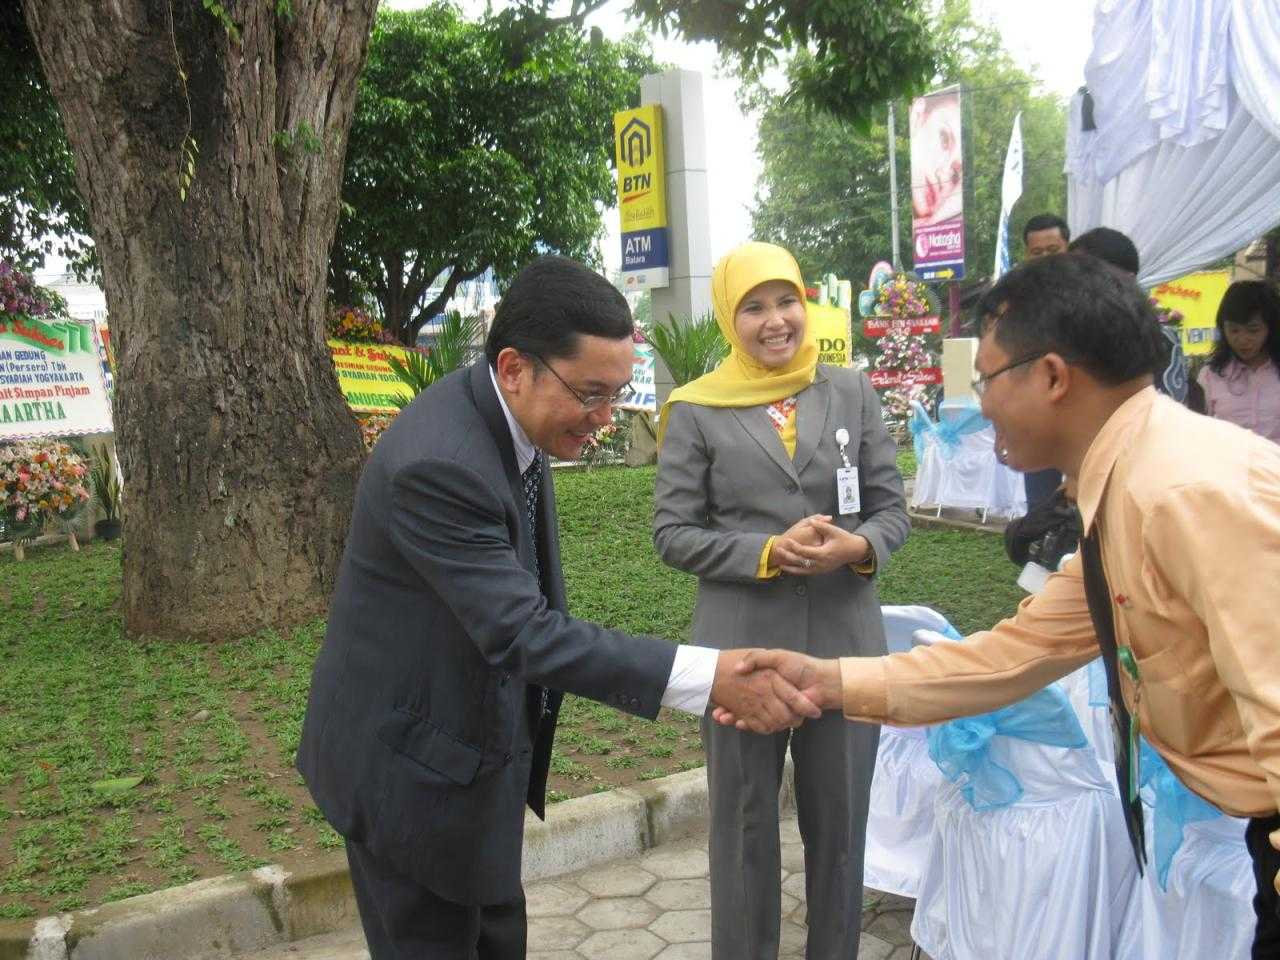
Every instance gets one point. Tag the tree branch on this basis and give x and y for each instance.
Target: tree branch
(579, 12)
(456, 276)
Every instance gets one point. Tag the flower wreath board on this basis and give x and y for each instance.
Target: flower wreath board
(51, 381)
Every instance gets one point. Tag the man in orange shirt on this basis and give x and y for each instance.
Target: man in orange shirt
(1175, 581)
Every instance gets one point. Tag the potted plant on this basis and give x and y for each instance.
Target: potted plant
(455, 344)
(689, 347)
(106, 488)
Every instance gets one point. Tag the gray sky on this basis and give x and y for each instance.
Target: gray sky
(1052, 47)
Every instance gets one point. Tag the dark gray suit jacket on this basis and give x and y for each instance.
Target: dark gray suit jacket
(422, 739)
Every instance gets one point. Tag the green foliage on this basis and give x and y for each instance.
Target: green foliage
(220, 13)
(105, 483)
(861, 53)
(689, 347)
(187, 154)
(454, 346)
(41, 211)
(115, 786)
(302, 138)
(824, 191)
(474, 145)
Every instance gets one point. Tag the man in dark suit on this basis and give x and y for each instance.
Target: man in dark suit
(434, 699)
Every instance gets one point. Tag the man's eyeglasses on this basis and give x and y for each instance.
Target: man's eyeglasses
(980, 385)
(593, 402)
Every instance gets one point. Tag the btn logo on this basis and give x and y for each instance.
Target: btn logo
(642, 191)
(640, 182)
(635, 144)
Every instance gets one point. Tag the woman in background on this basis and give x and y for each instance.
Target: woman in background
(765, 453)
(1241, 381)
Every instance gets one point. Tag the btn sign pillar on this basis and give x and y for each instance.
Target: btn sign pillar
(642, 198)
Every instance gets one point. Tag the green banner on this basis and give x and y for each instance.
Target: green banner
(62, 336)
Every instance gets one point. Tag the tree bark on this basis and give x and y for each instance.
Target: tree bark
(240, 457)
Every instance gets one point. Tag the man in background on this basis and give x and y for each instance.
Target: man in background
(1172, 379)
(1044, 235)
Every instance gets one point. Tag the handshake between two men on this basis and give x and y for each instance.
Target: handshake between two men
(765, 691)
(769, 690)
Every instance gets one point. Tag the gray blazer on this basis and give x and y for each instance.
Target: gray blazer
(725, 485)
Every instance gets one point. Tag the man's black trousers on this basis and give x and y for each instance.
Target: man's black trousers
(405, 921)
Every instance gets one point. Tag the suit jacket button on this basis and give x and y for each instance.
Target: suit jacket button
(506, 758)
(801, 590)
(792, 487)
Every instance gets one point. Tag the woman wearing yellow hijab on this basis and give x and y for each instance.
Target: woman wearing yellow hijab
(778, 488)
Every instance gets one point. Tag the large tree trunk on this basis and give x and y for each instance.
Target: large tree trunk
(240, 458)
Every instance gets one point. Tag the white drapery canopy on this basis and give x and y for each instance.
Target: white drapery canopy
(1185, 154)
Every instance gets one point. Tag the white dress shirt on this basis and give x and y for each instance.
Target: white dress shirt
(694, 669)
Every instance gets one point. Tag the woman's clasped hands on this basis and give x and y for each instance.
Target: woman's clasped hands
(816, 545)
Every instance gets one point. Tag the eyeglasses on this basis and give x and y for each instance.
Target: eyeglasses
(593, 402)
(980, 385)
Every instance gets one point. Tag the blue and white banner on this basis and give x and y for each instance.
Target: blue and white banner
(1010, 191)
(644, 392)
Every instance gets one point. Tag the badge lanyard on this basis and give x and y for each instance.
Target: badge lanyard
(848, 495)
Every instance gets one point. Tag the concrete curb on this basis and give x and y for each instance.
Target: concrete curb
(245, 912)
(927, 521)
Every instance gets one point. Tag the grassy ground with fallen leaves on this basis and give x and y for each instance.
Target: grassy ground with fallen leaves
(130, 765)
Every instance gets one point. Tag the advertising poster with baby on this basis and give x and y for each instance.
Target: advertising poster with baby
(937, 186)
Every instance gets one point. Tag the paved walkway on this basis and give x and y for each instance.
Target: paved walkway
(654, 907)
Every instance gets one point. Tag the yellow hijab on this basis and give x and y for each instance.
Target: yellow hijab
(739, 381)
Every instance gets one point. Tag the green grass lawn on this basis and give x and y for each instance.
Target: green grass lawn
(907, 461)
(211, 728)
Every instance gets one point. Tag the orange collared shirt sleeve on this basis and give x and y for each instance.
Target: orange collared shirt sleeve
(1050, 636)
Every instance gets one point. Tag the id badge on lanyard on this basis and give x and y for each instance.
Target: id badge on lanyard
(848, 496)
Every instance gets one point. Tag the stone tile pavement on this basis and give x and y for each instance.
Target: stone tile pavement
(653, 907)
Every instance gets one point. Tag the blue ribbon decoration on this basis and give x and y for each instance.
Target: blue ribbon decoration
(1175, 807)
(961, 748)
(1098, 695)
(920, 425)
(947, 431)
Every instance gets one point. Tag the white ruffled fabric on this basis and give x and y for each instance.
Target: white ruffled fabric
(1051, 875)
(968, 476)
(1186, 151)
(1042, 877)
(1207, 910)
(900, 814)
(906, 782)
